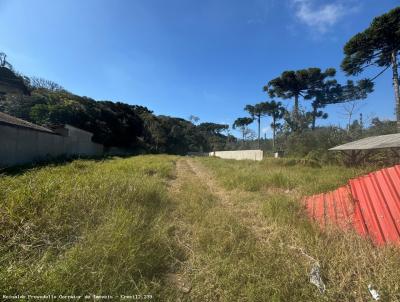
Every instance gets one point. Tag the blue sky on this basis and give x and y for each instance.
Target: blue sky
(180, 57)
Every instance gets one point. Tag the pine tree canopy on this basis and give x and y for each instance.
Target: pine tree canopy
(373, 46)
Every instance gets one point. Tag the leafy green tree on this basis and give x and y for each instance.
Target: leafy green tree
(277, 112)
(155, 134)
(194, 119)
(256, 112)
(113, 124)
(213, 133)
(302, 122)
(296, 84)
(11, 82)
(379, 46)
(381, 127)
(358, 91)
(213, 128)
(242, 123)
(327, 92)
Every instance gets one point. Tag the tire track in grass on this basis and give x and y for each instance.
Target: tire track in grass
(230, 221)
(196, 197)
(248, 213)
(178, 277)
(224, 262)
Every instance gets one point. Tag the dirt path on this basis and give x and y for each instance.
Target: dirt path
(237, 247)
(249, 212)
(182, 172)
(193, 186)
(206, 177)
(178, 277)
(183, 273)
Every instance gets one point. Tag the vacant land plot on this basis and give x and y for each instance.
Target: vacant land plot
(182, 229)
(87, 228)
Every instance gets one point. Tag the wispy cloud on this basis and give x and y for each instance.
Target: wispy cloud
(322, 17)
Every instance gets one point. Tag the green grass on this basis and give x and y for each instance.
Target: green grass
(122, 226)
(226, 261)
(348, 263)
(285, 174)
(86, 227)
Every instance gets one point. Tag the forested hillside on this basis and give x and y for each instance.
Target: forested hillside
(118, 124)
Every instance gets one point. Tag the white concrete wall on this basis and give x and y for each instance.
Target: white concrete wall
(239, 155)
(22, 145)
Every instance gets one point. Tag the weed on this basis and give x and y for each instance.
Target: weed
(86, 227)
(348, 262)
(122, 226)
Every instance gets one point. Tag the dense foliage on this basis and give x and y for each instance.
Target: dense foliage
(299, 133)
(379, 46)
(117, 124)
(295, 131)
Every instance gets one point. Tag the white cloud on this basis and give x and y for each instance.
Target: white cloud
(321, 17)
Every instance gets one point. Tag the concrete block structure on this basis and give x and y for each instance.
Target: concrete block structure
(22, 142)
(239, 155)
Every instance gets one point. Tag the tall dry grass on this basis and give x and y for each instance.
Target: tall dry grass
(86, 227)
(348, 262)
(118, 227)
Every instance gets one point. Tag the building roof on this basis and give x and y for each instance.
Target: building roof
(9, 120)
(370, 143)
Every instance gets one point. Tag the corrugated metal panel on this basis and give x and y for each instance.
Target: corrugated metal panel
(373, 142)
(334, 207)
(370, 204)
(378, 196)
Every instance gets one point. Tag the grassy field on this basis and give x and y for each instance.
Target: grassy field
(182, 229)
(88, 227)
(282, 263)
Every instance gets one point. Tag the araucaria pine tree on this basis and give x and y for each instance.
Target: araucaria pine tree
(378, 45)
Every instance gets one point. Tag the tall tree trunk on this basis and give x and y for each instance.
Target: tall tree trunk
(296, 112)
(259, 130)
(314, 117)
(349, 122)
(296, 104)
(273, 132)
(396, 87)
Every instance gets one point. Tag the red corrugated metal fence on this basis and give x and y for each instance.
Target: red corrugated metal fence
(370, 204)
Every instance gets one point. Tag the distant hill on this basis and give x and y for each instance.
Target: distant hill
(112, 123)
(11, 83)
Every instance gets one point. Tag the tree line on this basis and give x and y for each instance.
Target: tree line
(377, 46)
(138, 128)
(113, 124)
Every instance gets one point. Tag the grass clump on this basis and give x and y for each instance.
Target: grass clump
(283, 174)
(165, 226)
(291, 243)
(86, 227)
